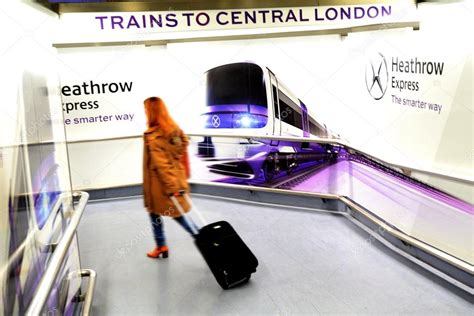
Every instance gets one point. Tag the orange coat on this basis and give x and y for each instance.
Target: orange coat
(164, 171)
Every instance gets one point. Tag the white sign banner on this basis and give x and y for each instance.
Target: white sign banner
(133, 26)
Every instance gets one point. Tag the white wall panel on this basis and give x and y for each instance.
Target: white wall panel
(326, 72)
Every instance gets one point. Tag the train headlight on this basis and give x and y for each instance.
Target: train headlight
(246, 121)
(249, 121)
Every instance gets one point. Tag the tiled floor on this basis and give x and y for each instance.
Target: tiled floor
(310, 263)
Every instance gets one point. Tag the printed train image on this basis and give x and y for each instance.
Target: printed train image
(248, 99)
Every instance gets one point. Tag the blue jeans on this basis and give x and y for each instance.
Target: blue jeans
(158, 227)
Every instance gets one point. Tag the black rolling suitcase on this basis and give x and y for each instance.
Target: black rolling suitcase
(226, 254)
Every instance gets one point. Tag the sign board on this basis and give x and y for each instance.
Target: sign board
(102, 27)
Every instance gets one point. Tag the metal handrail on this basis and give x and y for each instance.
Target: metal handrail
(406, 239)
(352, 208)
(57, 259)
(459, 263)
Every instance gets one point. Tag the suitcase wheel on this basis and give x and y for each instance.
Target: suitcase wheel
(225, 285)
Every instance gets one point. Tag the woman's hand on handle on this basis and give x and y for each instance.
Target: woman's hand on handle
(179, 193)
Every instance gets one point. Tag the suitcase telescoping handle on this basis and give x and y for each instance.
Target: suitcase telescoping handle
(185, 216)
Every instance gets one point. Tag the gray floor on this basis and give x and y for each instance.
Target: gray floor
(310, 263)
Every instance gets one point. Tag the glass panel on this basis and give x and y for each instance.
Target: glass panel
(65, 296)
(405, 201)
(35, 171)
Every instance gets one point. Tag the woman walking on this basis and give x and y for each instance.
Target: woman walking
(165, 171)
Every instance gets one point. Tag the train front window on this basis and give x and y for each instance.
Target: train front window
(241, 83)
(236, 97)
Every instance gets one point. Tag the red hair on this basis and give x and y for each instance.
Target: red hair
(157, 115)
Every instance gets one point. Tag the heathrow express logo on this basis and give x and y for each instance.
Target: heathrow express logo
(376, 76)
(216, 121)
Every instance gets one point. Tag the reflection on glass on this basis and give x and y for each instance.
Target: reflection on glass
(36, 172)
(46, 188)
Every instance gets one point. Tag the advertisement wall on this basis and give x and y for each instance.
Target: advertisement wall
(398, 94)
